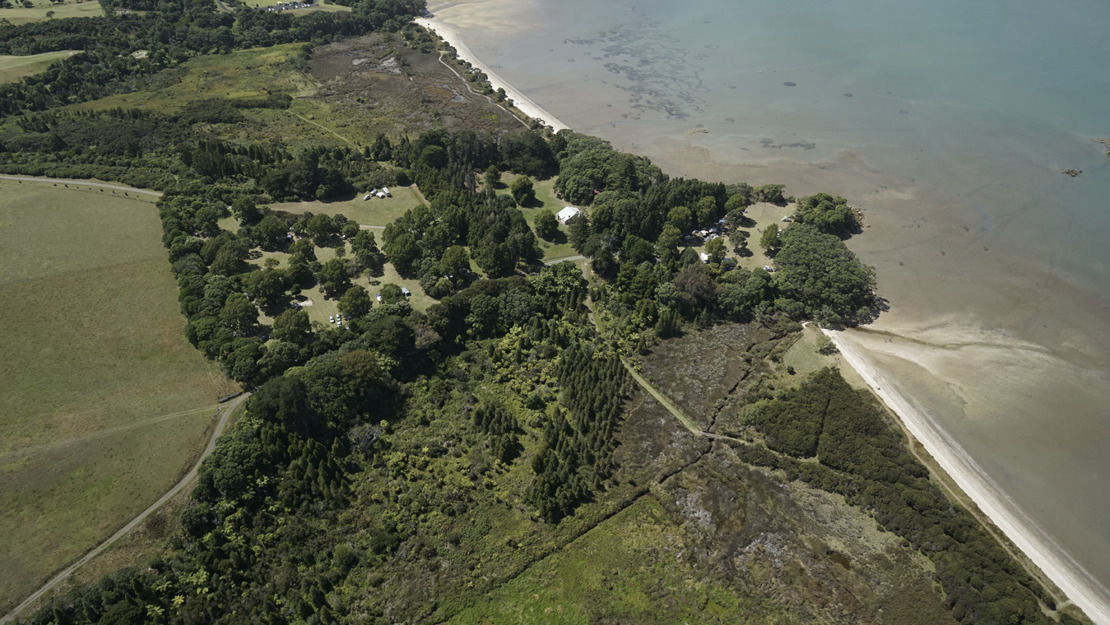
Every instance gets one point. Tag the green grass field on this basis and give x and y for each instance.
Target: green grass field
(372, 212)
(18, 14)
(12, 68)
(103, 404)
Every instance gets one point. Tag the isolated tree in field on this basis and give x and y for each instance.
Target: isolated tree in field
(739, 241)
(736, 218)
(239, 313)
(391, 293)
(402, 249)
(522, 190)
(369, 257)
(304, 248)
(355, 302)
(333, 278)
(547, 226)
(769, 241)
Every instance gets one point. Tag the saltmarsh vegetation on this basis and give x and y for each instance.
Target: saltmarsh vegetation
(406, 465)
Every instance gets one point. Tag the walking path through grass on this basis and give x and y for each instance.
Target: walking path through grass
(27, 451)
(227, 411)
(325, 129)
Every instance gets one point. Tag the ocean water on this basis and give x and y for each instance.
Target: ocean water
(949, 124)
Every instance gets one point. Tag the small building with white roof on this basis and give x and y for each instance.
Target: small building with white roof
(567, 214)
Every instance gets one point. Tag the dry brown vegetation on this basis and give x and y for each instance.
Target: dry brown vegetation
(377, 83)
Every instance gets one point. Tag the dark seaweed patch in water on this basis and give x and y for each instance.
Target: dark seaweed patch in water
(770, 143)
(847, 95)
(790, 84)
(904, 112)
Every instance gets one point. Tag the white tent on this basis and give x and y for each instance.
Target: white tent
(567, 214)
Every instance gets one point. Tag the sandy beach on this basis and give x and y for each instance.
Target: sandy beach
(1080, 587)
(519, 100)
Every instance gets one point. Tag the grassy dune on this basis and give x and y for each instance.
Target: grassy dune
(12, 68)
(103, 404)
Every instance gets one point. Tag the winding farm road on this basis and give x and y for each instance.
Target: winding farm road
(227, 411)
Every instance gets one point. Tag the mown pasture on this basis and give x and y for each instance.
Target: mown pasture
(20, 14)
(12, 68)
(103, 403)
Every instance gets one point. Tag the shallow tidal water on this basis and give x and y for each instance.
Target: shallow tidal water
(949, 124)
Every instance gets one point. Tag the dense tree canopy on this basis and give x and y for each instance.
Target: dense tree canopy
(819, 271)
(828, 213)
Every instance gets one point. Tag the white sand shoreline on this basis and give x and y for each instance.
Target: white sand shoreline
(519, 100)
(1072, 579)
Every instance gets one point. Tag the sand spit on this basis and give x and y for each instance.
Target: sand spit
(1080, 587)
(519, 100)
